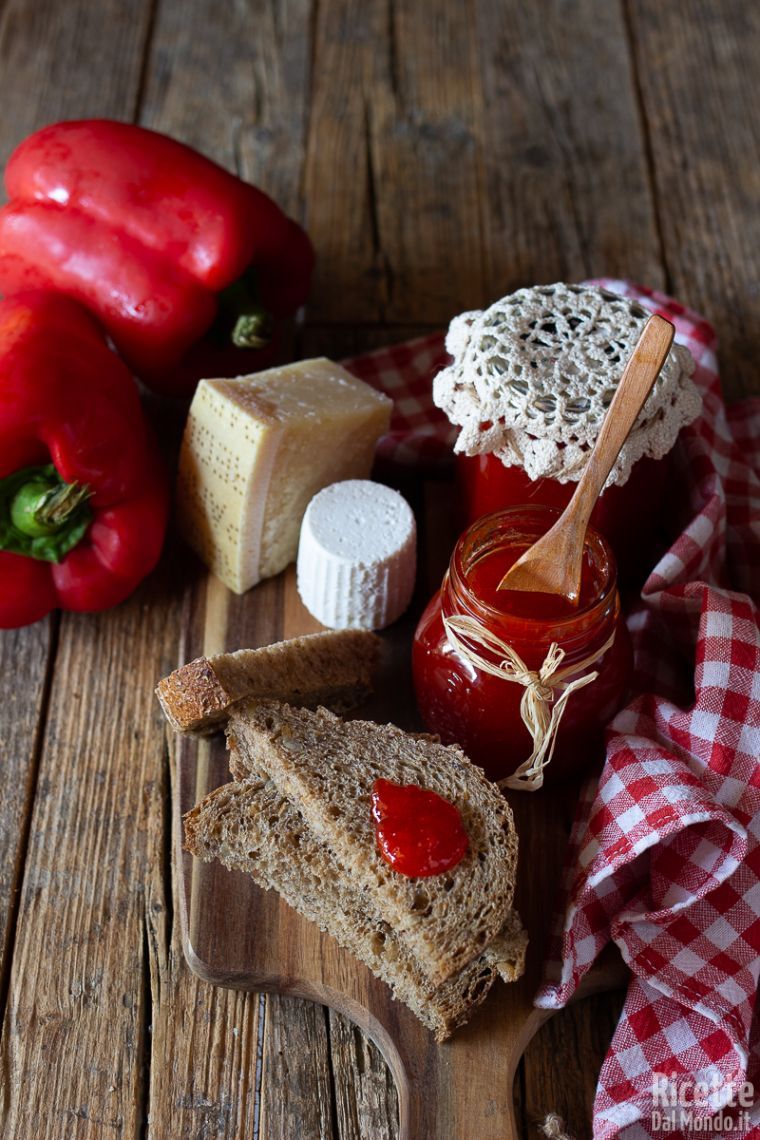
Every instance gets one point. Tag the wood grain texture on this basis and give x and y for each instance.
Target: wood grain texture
(26, 660)
(366, 1101)
(581, 1035)
(205, 1044)
(67, 61)
(56, 63)
(295, 1058)
(256, 60)
(568, 190)
(75, 1028)
(350, 59)
(77, 961)
(700, 95)
(202, 1075)
(255, 124)
(426, 155)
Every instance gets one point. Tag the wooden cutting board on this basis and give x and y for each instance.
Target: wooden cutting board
(236, 935)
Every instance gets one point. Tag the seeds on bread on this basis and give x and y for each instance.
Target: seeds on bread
(326, 768)
(249, 827)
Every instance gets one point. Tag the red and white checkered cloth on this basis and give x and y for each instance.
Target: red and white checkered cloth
(421, 435)
(665, 850)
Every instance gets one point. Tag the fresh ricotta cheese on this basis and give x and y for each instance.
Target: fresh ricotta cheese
(357, 555)
(257, 448)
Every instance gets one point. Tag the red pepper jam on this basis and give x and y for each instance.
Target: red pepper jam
(470, 707)
(636, 536)
(418, 832)
(489, 570)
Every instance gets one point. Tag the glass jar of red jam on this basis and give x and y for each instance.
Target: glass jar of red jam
(468, 706)
(636, 535)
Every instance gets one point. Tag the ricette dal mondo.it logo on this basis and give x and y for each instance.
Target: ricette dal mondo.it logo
(681, 1103)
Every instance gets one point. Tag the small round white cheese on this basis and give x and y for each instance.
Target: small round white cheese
(357, 555)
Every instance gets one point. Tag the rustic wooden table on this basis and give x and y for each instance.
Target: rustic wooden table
(441, 154)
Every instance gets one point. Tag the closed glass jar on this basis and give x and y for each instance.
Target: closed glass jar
(467, 705)
(631, 516)
(529, 384)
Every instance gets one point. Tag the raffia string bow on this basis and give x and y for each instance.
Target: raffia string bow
(546, 690)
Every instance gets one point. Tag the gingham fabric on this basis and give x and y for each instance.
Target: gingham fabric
(420, 435)
(665, 850)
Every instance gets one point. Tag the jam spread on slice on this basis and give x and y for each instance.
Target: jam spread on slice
(418, 832)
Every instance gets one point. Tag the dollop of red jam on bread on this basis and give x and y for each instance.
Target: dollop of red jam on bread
(418, 832)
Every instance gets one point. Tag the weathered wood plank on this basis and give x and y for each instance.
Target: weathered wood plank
(75, 1018)
(296, 1080)
(67, 61)
(567, 184)
(256, 66)
(366, 1101)
(427, 158)
(202, 1071)
(574, 1041)
(40, 81)
(342, 341)
(700, 89)
(75, 1029)
(350, 53)
(204, 1078)
(25, 661)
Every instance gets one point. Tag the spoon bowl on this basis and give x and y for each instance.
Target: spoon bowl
(553, 565)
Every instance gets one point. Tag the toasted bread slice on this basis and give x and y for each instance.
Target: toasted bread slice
(326, 768)
(333, 668)
(249, 827)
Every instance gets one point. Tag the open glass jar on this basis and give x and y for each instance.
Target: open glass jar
(483, 661)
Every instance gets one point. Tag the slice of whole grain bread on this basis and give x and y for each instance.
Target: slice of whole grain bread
(333, 668)
(249, 827)
(326, 768)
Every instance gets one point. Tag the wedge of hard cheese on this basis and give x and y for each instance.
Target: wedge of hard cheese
(257, 448)
(333, 669)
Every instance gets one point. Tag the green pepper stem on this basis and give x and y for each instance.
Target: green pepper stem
(253, 330)
(242, 318)
(37, 508)
(41, 516)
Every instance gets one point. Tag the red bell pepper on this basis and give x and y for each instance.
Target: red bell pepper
(83, 495)
(178, 258)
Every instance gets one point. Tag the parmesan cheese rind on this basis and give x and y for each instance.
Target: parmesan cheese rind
(255, 451)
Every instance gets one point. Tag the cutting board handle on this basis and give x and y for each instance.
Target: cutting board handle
(456, 1090)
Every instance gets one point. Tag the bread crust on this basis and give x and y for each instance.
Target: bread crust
(233, 825)
(332, 668)
(326, 767)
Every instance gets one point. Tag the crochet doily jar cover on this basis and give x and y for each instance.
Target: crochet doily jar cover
(529, 385)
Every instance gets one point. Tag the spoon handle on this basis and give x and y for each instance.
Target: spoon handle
(636, 383)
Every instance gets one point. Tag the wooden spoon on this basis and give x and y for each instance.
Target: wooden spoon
(554, 563)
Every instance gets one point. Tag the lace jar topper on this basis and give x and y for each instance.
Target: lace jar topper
(529, 385)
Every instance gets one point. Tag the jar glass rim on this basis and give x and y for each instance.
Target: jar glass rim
(493, 527)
